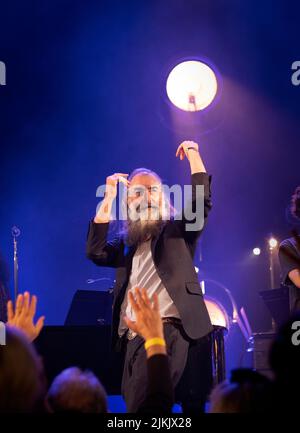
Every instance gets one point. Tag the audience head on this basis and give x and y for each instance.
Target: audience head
(79, 391)
(247, 392)
(22, 382)
(285, 353)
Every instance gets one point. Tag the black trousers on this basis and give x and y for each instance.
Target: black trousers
(190, 365)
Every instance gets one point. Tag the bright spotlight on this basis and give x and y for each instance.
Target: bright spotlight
(192, 85)
(256, 251)
(273, 243)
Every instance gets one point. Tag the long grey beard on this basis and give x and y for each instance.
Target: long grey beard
(136, 232)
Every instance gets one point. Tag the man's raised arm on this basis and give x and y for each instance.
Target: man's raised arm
(98, 249)
(192, 222)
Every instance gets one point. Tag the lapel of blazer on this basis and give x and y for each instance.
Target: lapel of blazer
(129, 253)
(154, 242)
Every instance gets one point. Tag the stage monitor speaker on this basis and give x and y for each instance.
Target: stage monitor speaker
(90, 308)
(281, 303)
(261, 344)
(86, 347)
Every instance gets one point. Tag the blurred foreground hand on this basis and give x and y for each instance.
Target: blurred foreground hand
(23, 316)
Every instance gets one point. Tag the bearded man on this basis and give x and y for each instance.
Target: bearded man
(155, 251)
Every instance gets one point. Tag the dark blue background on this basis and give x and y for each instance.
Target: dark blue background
(85, 97)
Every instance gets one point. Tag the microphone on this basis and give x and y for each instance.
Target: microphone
(91, 280)
(15, 231)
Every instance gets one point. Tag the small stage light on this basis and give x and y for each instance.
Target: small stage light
(191, 85)
(256, 251)
(273, 243)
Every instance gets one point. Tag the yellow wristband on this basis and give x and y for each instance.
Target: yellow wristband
(154, 342)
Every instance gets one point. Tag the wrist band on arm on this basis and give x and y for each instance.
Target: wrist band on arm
(193, 148)
(154, 342)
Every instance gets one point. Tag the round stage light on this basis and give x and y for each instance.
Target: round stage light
(192, 85)
(273, 243)
(256, 251)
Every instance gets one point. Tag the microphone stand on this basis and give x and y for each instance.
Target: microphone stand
(272, 278)
(15, 231)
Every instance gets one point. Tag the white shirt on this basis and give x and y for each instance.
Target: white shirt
(144, 275)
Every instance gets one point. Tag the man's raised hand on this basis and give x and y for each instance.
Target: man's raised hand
(190, 149)
(112, 183)
(185, 147)
(111, 188)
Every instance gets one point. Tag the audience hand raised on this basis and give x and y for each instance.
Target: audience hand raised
(23, 316)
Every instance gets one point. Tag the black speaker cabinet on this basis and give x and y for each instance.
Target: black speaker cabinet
(84, 341)
(281, 303)
(87, 347)
(261, 344)
(90, 307)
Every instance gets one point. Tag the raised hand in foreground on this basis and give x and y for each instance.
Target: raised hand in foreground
(23, 316)
(148, 322)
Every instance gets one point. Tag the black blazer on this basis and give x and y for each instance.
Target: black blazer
(172, 251)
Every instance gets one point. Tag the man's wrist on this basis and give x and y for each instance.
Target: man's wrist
(104, 212)
(109, 197)
(193, 148)
(193, 153)
(99, 220)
